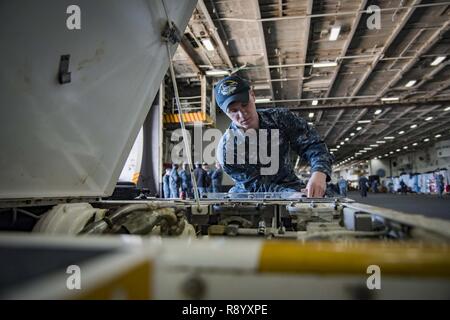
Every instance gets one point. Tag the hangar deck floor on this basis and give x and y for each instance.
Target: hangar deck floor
(427, 205)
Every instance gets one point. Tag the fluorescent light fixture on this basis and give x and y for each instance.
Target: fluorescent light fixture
(262, 100)
(378, 111)
(346, 139)
(401, 132)
(359, 128)
(415, 144)
(357, 154)
(437, 61)
(447, 109)
(410, 83)
(364, 121)
(335, 30)
(389, 138)
(374, 145)
(333, 150)
(438, 136)
(217, 73)
(315, 102)
(381, 141)
(342, 142)
(428, 119)
(391, 152)
(413, 126)
(310, 123)
(363, 151)
(390, 99)
(398, 150)
(324, 64)
(375, 158)
(426, 140)
(208, 44)
(386, 154)
(368, 149)
(405, 147)
(263, 86)
(311, 115)
(338, 147)
(352, 134)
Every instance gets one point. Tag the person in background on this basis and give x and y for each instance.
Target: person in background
(186, 182)
(440, 184)
(209, 172)
(375, 186)
(174, 182)
(166, 182)
(343, 187)
(403, 187)
(201, 177)
(363, 186)
(216, 178)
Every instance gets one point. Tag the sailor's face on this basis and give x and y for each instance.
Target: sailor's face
(244, 115)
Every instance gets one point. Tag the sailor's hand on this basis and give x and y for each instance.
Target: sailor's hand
(316, 185)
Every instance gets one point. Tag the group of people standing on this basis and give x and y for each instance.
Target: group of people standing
(178, 184)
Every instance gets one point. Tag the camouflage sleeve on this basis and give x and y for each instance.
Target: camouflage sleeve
(247, 177)
(306, 142)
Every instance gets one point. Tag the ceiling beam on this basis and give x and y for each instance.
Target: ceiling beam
(441, 88)
(263, 46)
(347, 128)
(409, 139)
(213, 32)
(187, 48)
(398, 28)
(395, 119)
(339, 115)
(347, 43)
(426, 78)
(402, 104)
(424, 48)
(306, 30)
(334, 14)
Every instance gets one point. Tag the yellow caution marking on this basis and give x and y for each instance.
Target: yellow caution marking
(134, 284)
(345, 258)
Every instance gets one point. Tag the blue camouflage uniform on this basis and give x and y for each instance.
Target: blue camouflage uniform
(294, 134)
(216, 179)
(186, 182)
(174, 183)
(166, 187)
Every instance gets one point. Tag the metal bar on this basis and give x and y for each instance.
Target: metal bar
(183, 127)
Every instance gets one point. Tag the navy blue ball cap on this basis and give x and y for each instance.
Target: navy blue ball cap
(229, 90)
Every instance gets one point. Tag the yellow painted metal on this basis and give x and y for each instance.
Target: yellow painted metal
(189, 117)
(403, 259)
(134, 284)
